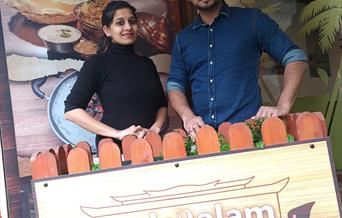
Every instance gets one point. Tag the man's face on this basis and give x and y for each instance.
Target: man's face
(205, 4)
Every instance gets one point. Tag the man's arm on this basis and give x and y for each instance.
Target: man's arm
(191, 122)
(293, 76)
(275, 42)
(176, 89)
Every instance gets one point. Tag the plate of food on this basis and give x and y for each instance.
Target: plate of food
(88, 15)
(85, 48)
(46, 11)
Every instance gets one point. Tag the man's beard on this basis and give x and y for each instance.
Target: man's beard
(209, 7)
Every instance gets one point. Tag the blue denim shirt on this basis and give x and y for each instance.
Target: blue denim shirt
(221, 62)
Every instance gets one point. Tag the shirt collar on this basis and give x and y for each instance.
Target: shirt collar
(198, 21)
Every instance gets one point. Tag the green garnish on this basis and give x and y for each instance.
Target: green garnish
(65, 33)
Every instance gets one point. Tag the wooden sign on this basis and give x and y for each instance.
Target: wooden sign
(3, 196)
(291, 180)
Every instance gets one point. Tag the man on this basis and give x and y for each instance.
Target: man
(218, 56)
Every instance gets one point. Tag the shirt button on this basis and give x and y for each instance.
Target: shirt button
(211, 45)
(212, 116)
(211, 29)
(211, 80)
(211, 99)
(211, 63)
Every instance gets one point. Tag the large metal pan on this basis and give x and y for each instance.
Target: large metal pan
(66, 130)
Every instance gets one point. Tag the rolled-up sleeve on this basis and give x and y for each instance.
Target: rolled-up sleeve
(294, 55)
(275, 42)
(178, 75)
(85, 86)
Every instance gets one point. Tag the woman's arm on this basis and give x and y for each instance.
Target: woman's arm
(87, 83)
(82, 118)
(160, 120)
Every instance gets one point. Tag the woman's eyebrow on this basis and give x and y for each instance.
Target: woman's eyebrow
(122, 18)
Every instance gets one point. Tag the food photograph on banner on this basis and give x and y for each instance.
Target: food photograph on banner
(46, 44)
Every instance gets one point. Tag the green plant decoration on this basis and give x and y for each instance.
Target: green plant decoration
(324, 16)
(255, 127)
(290, 138)
(95, 166)
(272, 8)
(259, 144)
(190, 147)
(224, 145)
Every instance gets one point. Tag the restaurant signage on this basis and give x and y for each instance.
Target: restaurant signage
(291, 180)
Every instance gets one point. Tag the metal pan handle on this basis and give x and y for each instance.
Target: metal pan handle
(36, 84)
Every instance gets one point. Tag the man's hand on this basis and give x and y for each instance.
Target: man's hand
(269, 111)
(293, 75)
(191, 122)
(192, 125)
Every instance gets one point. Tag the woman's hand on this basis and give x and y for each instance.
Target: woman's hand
(132, 130)
(141, 133)
(136, 130)
(155, 129)
(161, 119)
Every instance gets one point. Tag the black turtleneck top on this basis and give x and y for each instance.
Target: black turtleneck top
(128, 86)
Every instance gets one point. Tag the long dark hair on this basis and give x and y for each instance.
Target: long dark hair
(107, 19)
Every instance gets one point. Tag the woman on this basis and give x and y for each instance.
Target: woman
(128, 85)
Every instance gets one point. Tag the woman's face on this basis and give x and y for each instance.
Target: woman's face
(124, 28)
